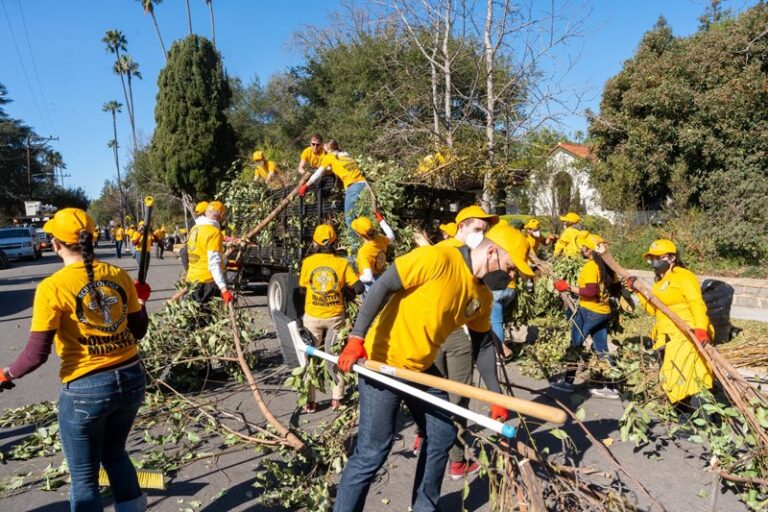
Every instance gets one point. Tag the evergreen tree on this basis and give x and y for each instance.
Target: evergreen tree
(193, 143)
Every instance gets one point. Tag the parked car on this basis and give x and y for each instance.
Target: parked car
(45, 240)
(20, 243)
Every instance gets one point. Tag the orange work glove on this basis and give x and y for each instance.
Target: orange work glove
(142, 290)
(5, 380)
(499, 413)
(631, 283)
(379, 216)
(227, 296)
(561, 285)
(353, 350)
(303, 189)
(701, 336)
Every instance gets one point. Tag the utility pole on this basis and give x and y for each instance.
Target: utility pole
(39, 141)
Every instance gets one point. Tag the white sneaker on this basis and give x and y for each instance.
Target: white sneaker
(604, 392)
(562, 385)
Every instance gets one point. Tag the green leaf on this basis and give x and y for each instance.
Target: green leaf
(560, 434)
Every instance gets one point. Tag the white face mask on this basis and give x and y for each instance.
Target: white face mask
(473, 240)
(536, 233)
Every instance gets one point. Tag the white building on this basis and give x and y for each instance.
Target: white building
(563, 184)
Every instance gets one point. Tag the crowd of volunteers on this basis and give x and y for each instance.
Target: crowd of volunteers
(438, 309)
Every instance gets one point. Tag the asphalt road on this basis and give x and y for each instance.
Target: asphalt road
(675, 473)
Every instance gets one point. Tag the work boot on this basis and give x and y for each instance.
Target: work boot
(459, 470)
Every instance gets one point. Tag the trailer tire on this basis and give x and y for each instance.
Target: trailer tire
(283, 295)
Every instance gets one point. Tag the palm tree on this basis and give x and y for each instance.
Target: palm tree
(189, 18)
(113, 107)
(53, 161)
(126, 66)
(213, 28)
(116, 43)
(149, 8)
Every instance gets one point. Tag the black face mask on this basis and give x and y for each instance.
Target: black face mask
(660, 266)
(496, 280)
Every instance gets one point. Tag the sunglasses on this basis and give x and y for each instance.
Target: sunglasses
(314, 143)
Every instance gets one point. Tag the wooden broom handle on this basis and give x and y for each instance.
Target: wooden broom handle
(527, 407)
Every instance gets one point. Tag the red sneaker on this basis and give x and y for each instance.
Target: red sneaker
(417, 443)
(459, 470)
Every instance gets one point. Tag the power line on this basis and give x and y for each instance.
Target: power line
(21, 63)
(34, 69)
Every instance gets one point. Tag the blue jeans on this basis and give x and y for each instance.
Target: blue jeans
(119, 248)
(351, 195)
(586, 323)
(501, 301)
(95, 416)
(379, 406)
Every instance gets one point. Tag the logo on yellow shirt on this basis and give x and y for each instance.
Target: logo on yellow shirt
(381, 260)
(473, 306)
(323, 280)
(114, 305)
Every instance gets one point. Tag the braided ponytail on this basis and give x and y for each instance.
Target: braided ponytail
(85, 242)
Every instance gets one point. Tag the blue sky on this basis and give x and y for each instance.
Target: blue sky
(69, 73)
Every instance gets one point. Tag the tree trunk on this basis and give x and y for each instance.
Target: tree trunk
(213, 26)
(435, 113)
(122, 81)
(490, 107)
(159, 36)
(447, 76)
(131, 110)
(189, 18)
(117, 166)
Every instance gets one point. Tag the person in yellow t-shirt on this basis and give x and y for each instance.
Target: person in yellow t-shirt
(159, 239)
(372, 255)
(347, 170)
(407, 315)
(137, 239)
(326, 278)
(684, 374)
(566, 243)
(534, 236)
(312, 155)
(93, 313)
(205, 250)
(129, 231)
(267, 170)
(595, 285)
(118, 234)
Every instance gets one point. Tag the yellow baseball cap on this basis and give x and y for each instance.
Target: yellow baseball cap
(201, 207)
(362, 225)
(257, 155)
(589, 240)
(67, 224)
(661, 247)
(217, 206)
(324, 234)
(475, 212)
(513, 243)
(532, 224)
(571, 217)
(449, 228)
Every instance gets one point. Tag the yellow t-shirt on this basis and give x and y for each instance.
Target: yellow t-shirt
(343, 166)
(440, 294)
(373, 255)
(87, 338)
(311, 158)
(118, 234)
(449, 242)
(566, 243)
(324, 275)
(590, 274)
(203, 238)
(159, 234)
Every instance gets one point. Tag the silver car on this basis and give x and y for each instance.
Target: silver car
(20, 243)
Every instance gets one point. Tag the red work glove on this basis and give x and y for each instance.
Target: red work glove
(5, 380)
(561, 285)
(142, 290)
(701, 336)
(227, 296)
(631, 283)
(353, 350)
(379, 216)
(499, 413)
(303, 189)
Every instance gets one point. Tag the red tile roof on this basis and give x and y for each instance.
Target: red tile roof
(578, 150)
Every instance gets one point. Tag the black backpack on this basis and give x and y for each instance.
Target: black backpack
(718, 296)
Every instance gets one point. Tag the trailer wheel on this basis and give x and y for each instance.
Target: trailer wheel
(283, 295)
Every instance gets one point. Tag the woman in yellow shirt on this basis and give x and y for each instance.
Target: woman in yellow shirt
(683, 372)
(94, 313)
(326, 278)
(372, 255)
(595, 284)
(566, 243)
